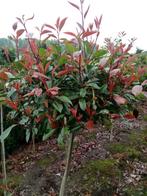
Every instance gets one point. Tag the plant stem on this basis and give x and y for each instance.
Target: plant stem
(111, 134)
(33, 142)
(3, 156)
(69, 152)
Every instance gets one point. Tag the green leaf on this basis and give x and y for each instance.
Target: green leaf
(104, 111)
(82, 104)
(82, 92)
(35, 130)
(64, 131)
(93, 85)
(27, 135)
(64, 99)
(47, 135)
(24, 120)
(6, 132)
(61, 116)
(10, 75)
(42, 52)
(58, 106)
(104, 89)
(11, 92)
(78, 127)
(2, 99)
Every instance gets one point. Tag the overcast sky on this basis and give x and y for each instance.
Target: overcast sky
(118, 15)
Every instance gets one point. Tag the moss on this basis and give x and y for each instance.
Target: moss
(46, 161)
(96, 174)
(145, 117)
(14, 181)
(135, 191)
(103, 166)
(130, 151)
(138, 138)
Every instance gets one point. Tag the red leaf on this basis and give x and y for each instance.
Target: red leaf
(30, 18)
(129, 116)
(70, 33)
(52, 35)
(88, 33)
(34, 47)
(115, 116)
(12, 104)
(17, 86)
(57, 22)
(35, 91)
(45, 31)
(98, 22)
(144, 83)
(50, 26)
(14, 26)
(28, 110)
(46, 103)
(119, 100)
(62, 73)
(62, 23)
(29, 94)
(74, 5)
(136, 90)
(46, 67)
(40, 68)
(3, 76)
(53, 91)
(37, 75)
(100, 19)
(89, 124)
(53, 70)
(111, 85)
(73, 112)
(80, 26)
(19, 33)
(114, 72)
(19, 19)
(86, 11)
(38, 91)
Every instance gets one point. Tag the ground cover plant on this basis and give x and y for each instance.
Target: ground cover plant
(57, 88)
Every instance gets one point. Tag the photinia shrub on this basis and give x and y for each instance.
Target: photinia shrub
(60, 85)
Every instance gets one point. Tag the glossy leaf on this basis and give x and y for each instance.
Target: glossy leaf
(3, 76)
(19, 33)
(49, 26)
(74, 5)
(90, 124)
(88, 33)
(119, 99)
(93, 85)
(48, 135)
(83, 92)
(6, 132)
(28, 134)
(64, 99)
(14, 26)
(62, 23)
(70, 33)
(136, 90)
(58, 106)
(82, 104)
(85, 14)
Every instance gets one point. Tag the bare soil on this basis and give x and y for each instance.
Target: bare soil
(99, 167)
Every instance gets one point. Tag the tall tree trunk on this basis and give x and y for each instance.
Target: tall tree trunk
(69, 152)
(3, 156)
